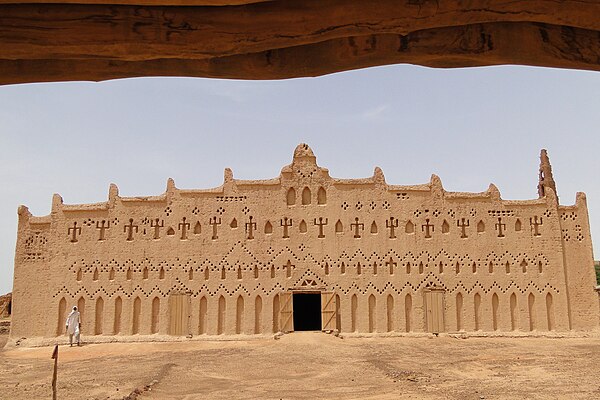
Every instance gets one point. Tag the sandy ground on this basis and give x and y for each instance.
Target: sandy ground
(312, 366)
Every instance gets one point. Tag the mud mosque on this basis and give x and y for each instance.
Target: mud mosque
(306, 251)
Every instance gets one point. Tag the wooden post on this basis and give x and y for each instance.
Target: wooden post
(55, 357)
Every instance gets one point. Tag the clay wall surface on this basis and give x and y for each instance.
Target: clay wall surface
(383, 257)
(5, 305)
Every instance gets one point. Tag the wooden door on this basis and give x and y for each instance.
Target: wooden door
(179, 314)
(328, 311)
(286, 312)
(434, 306)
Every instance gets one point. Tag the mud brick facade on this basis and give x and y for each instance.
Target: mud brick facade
(307, 251)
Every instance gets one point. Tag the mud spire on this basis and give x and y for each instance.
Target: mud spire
(546, 180)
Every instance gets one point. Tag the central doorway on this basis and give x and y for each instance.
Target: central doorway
(307, 311)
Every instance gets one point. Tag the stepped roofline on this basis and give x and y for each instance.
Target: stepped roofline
(304, 170)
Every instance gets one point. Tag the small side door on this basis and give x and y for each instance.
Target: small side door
(434, 307)
(179, 314)
(286, 313)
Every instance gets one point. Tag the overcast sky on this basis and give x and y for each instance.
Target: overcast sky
(469, 126)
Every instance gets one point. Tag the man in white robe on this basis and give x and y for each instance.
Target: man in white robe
(73, 325)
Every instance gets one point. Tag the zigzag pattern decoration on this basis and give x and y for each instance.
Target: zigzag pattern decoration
(358, 256)
(370, 287)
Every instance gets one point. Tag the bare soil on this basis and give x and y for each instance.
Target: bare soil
(311, 365)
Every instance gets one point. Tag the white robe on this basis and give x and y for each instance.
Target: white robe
(73, 323)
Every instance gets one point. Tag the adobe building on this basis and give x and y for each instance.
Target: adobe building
(306, 251)
(5, 306)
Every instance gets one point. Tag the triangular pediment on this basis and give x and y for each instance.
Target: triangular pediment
(434, 284)
(309, 280)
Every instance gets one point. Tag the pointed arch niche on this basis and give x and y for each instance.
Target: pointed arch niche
(306, 196)
(291, 197)
(339, 228)
(321, 196)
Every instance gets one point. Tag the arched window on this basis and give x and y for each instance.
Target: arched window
(321, 196)
(137, 309)
(306, 196)
(155, 315)
(99, 316)
(339, 228)
(291, 197)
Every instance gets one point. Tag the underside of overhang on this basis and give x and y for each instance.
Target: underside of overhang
(245, 39)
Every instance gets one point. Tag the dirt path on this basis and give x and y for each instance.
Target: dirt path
(313, 366)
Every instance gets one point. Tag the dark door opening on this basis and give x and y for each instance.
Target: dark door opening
(307, 311)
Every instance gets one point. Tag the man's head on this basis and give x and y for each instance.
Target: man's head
(74, 308)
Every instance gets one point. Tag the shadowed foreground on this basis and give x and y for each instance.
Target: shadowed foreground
(256, 39)
(312, 365)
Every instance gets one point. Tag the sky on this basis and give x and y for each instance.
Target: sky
(471, 127)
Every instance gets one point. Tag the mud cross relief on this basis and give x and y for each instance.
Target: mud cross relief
(129, 229)
(428, 228)
(102, 227)
(322, 222)
(214, 222)
(463, 224)
(535, 224)
(74, 231)
(392, 224)
(357, 225)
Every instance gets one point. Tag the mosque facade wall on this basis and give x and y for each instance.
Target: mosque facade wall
(230, 260)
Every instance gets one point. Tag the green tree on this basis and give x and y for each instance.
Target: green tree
(597, 267)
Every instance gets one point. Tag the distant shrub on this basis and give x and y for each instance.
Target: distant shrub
(597, 267)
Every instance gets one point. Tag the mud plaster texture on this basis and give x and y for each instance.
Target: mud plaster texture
(5, 305)
(233, 261)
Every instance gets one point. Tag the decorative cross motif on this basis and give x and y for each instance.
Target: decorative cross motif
(129, 229)
(463, 224)
(284, 223)
(288, 268)
(157, 224)
(75, 230)
(391, 224)
(500, 226)
(426, 228)
(357, 225)
(534, 224)
(214, 221)
(321, 223)
(102, 227)
(391, 264)
(183, 227)
(250, 226)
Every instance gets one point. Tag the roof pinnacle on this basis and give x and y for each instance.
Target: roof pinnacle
(546, 180)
